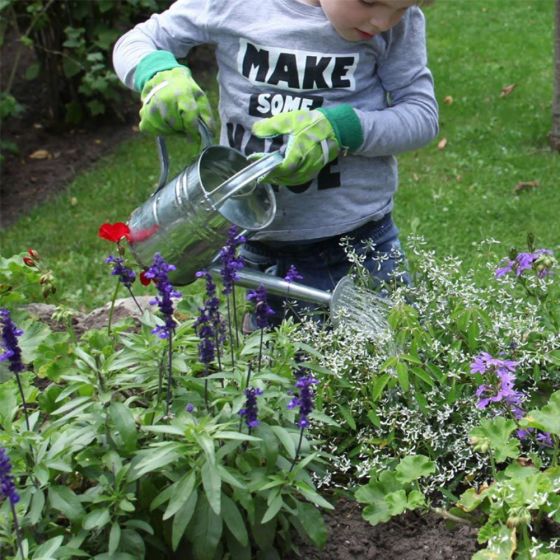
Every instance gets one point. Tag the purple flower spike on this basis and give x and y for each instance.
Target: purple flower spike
(158, 272)
(7, 486)
(250, 412)
(231, 264)
(262, 310)
(293, 275)
(304, 399)
(126, 275)
(10, 334)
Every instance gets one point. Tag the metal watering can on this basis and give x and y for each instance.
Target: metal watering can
(186, 219)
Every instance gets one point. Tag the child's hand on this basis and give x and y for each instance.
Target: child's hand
(172, 102)
(311, 145)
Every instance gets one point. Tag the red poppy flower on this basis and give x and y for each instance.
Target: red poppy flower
(114, 232)
(33, 254)
(29, 262)
(143, 280)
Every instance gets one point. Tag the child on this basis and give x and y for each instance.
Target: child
(343, 83)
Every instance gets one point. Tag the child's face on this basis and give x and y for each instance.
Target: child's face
(359, 20)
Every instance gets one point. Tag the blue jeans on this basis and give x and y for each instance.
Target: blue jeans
(323, 263)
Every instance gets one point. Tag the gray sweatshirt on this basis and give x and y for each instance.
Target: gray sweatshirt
(282, 55)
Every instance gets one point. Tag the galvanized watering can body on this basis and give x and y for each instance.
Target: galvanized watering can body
(187, 219)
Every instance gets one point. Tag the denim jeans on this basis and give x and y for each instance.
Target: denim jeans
(323, 263)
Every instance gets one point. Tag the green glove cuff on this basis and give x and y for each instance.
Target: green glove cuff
(152, 64)
(346, 126)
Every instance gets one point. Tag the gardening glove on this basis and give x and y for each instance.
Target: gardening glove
(315, 139)
(172, 102)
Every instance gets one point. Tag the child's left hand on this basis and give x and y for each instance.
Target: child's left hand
(311, 145)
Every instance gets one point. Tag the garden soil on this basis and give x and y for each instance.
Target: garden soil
(48, 159)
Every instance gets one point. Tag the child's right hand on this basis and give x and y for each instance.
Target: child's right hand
(172, 103)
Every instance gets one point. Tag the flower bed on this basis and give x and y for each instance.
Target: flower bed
(186, 437)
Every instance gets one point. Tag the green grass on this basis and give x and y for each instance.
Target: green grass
(455, 197)
(462, 194)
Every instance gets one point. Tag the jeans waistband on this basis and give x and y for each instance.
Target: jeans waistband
(373, 229)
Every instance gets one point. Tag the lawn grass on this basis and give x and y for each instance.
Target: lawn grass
(455, 197)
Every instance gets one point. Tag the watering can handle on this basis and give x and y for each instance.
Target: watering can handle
(163, 154)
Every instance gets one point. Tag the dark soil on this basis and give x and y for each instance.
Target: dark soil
(408, 537)
(48, 159)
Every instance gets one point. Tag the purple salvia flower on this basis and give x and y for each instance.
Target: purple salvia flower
(158, 272)
(250, 412)
(10, 334)
(293, 274)
(189, 408)
(262, 310)
(126, 275)
(231, 264)
(543, 438)
(7, 486)
(304, 399)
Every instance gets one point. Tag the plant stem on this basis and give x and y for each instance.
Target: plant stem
(134, 299)
(235, 323)
(260, 351)
(169, 372)
(449, 516)
(230, 331)
(112, 309)
(492, 464)
(249, 371)
(24, 403)
(554, 459)
(17, 530)
(298, 449)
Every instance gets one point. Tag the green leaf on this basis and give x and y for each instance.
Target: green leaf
(414, 467)
(47, 550)
(471, 499)
(502, 547)
(347, 416)
(313, 523)
(63, 499)
(547, 418)
(402, 375)
(396, 502)
(234, 520)
(180, 493)
(206, 531)
(37, 504)
(378, 386)
(182, 518)
(114, 537)
(312, 496)
(495, 434)
(273, 508)
(286, 440)
(96, 519)
(123, 421)
(212, 483)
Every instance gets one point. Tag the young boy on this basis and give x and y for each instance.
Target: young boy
(342, 83)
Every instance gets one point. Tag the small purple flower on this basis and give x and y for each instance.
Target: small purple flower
(262, 310)
(10, 334)
(500, 377)
(541, 260)
(158, 272)
(293, 275)
(7, 486)
(189, 408)
(304, 399)
(250, 412)
(126, 275)
(231, 264)
(543, 438)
